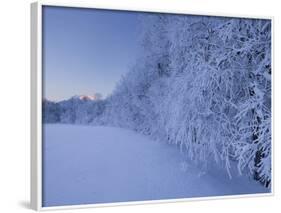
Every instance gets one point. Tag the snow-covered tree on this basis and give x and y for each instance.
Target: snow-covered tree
(51, 112)
(203, 83)
(76, 110)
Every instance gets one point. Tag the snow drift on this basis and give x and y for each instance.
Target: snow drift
(90, 165)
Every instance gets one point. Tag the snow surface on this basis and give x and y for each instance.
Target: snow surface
(89, 165)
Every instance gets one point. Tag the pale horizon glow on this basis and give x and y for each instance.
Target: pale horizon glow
(86, 51)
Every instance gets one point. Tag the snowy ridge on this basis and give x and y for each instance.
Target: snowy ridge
(87, 97)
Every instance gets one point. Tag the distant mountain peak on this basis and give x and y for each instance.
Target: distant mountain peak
(94, 97)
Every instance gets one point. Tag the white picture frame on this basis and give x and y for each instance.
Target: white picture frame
(36, 104)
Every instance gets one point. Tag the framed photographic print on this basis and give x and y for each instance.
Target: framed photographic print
(136, 106)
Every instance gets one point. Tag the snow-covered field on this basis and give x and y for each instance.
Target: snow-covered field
(88, 165)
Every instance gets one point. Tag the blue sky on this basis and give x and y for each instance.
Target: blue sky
(86, 50)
